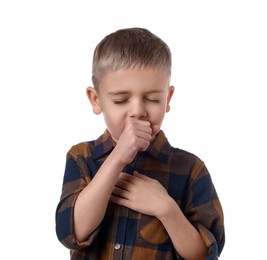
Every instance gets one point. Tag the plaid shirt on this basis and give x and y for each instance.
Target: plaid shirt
(127, 234)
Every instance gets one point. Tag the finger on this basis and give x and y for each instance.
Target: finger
(120, 201)
(146, 128)
(143, 144)
(127, 177)
(123, 183)
(138, 121)
(118, 192)
(141, 125)
(144, 135)
(115, 199)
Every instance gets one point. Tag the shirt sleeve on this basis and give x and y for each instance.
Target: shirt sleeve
(76, 178)
(203, 209)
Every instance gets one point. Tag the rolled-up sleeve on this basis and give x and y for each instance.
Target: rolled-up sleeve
(76, 178)
(203, 209)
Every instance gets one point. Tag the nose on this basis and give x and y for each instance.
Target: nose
(137, 110)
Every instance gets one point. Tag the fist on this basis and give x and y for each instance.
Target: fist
(136, 136)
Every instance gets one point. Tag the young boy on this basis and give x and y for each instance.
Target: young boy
(129, 194)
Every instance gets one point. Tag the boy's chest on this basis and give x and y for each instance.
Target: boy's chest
(173, 178)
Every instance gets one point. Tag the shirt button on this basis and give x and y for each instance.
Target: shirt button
(117, 246)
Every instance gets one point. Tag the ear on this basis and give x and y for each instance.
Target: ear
(94, 100)
(170, 93)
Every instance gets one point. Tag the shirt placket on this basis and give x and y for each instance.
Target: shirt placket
(119, 242)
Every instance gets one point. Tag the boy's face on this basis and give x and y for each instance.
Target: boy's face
(132, 95)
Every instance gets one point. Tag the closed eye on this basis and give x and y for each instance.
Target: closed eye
(121, 101)
(153, 100)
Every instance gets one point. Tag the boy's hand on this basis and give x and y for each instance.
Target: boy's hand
(136, 136)
(140, 193)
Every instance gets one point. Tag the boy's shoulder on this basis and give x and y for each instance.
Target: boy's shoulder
(177, 159)
(181, 155)
(183, 152)
(83, 149)
(93, 148)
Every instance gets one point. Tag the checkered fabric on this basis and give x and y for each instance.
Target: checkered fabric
(129, 235)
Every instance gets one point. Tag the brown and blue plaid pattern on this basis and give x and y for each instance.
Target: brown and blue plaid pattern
(130, 235)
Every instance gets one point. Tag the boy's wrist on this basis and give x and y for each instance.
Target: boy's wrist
(168, 208)
(116, 159)
(122, 157)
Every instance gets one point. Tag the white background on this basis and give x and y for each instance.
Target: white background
(218, 111)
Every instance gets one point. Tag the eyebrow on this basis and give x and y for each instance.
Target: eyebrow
(113, 93)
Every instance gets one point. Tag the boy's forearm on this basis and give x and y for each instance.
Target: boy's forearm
(91, 203)
(185, 238)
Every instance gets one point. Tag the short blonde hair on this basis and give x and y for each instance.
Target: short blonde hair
(134, 48)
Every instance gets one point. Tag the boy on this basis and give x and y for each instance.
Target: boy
(129, 194)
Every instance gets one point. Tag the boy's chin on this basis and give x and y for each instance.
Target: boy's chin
(115, 140)
(154, 134)
(155, 130)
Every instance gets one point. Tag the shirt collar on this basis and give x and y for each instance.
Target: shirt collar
(103, 145)
(159, 148)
